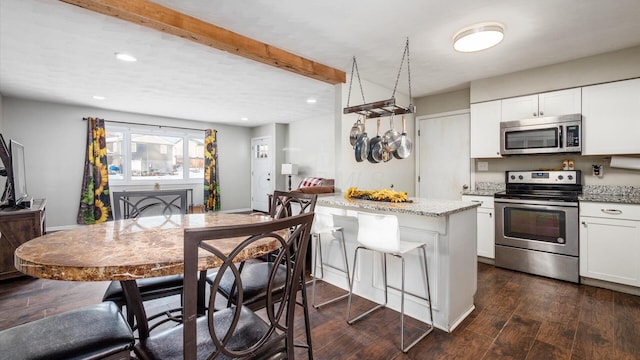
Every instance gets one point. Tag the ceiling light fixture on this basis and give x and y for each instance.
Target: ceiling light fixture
(98, 97)
(478, 37)
(125, 57)
(244, 118)
(311, 101)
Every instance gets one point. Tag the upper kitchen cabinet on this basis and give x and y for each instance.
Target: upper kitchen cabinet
(552, 103)
(485, 129)
(611, 118)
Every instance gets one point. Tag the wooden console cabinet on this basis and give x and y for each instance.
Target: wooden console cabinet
(18, 226)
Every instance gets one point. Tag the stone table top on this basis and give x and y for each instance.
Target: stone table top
(418, 206)
(129, 249)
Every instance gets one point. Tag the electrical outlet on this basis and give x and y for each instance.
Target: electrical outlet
(597, 170)
(483, 166)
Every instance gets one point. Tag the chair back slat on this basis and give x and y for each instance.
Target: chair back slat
(134, 204)
(292, 236)
(285, 204)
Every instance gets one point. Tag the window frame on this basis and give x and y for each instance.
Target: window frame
(186, 135)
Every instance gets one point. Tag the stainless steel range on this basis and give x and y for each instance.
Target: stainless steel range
(537, 223)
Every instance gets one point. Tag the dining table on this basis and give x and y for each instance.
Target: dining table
(127, 250)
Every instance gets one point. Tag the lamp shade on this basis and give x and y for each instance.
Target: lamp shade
(289, 169)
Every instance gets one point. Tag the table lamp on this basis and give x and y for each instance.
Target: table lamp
(289, 169)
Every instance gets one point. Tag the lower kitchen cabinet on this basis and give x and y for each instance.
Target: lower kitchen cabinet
(486, 225)
(610, 242)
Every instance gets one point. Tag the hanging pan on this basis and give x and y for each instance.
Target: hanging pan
(404, 144)
(391, 137)
(362, 144)
(375, 147)
(356, 130)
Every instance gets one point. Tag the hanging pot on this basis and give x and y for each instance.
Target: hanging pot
(404, 144)
(362, 145)
(356, 130)
(391, 138)
(375, 147)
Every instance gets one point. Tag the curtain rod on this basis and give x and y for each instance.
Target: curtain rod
(158, 126)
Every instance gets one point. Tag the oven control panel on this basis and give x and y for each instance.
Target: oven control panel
(569, 177)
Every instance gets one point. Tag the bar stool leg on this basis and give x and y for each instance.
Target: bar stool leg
(345, 269)
(428, 298)
(384, 279)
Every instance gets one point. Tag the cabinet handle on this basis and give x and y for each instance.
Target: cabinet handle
(490, 215)
(535, 114)
(584, 223)
(541, 113)
(611, 211)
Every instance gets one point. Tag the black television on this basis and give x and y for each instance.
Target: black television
(15, 190)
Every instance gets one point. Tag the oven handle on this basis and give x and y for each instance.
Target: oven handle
(536, 202)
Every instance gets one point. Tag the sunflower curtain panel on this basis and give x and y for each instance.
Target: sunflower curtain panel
(211, 180)
(95, 203)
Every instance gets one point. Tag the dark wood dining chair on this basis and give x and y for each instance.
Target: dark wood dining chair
(135, 204)
(236, 331)
(92, 332)
(254, 274)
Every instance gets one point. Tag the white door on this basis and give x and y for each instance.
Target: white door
(261, 184)
(444, 164)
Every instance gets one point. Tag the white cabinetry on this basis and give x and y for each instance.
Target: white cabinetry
(486, 225)
(610, 242)
(552, 103)
(610, 115)
(485, 129)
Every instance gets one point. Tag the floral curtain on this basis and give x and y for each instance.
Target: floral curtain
(211, 180)
(95, 204)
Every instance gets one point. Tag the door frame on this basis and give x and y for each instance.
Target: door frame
(418, 119)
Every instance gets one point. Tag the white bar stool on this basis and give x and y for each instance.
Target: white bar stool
(324, 224)
(381, 233)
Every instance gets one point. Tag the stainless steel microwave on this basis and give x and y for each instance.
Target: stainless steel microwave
(545, 135)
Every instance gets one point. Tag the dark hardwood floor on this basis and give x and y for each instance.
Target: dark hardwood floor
(517, 316)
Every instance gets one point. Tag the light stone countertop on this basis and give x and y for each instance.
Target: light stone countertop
(419, 206)
(611, 194)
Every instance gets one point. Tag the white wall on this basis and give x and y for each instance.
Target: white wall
(54, 137)
(311, 146)
(612, 66)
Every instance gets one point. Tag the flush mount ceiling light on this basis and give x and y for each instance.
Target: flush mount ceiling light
(311, 101)
(478, 37)
(99, 97)
(125, 57)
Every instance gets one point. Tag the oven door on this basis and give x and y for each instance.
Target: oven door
(549, 226)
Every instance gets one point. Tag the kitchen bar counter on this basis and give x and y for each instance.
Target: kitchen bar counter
(418, 206)
(449, 230)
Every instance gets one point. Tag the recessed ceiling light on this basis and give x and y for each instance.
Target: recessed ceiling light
(125, 57)
(98, 97)
(478, 37)
(244, 118)
(311, 101)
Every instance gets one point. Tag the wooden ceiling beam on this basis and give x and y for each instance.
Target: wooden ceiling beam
(164, 19)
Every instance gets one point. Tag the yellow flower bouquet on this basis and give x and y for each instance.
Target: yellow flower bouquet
(377, 195)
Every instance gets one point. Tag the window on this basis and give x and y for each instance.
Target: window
(138, 155)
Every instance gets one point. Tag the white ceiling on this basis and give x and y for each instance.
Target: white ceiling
(53, 51)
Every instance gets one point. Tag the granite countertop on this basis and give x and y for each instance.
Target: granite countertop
(485, 189)
(611, 194)
(419, 206)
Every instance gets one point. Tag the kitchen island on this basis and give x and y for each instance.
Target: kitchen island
(449, 230)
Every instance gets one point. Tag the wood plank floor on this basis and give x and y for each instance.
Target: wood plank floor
(517, 316)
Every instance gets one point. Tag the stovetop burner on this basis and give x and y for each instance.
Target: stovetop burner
(542, 185)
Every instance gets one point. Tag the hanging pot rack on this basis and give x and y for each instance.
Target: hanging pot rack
(384, 107)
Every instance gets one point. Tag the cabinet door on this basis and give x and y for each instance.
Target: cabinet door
(485, 129)
(610, 118)
(560, 102)
(522, 107)
(486, 233)
(610, 249)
